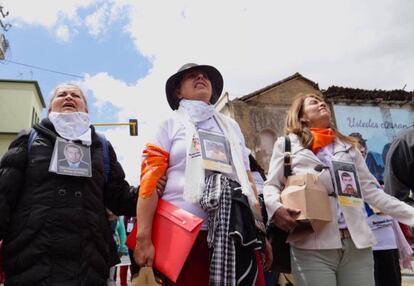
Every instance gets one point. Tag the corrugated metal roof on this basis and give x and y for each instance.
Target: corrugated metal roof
(347, 93)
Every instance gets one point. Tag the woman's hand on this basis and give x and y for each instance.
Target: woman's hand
(144, 252)
(268, 252)
(162, 182)
(285, 218)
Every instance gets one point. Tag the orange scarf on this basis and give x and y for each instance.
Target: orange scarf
(321, 138)
(153, 167)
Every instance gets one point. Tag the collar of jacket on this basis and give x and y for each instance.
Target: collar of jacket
(339, 147)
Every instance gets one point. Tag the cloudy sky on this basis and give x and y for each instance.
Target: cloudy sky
(122, 51)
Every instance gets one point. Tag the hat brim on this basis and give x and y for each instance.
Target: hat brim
(213, 74)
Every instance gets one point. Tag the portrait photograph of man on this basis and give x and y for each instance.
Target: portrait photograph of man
(348, 184)
(73, 159)
(346, 180)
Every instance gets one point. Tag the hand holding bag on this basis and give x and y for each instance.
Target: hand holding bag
(174, 232)
(306, 193)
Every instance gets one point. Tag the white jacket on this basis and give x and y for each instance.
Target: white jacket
(304, 161)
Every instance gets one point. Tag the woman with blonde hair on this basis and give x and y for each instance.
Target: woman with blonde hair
(340, 252)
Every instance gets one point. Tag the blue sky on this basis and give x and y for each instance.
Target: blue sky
(36, 46)
(126, 49)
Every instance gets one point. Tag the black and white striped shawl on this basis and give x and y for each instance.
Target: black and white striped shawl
(216, 201)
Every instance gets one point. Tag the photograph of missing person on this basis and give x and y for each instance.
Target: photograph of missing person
(346, 179)
(348, 183)
(215, 151)
(72, 159)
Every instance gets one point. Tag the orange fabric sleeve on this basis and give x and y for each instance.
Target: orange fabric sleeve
(153, 166)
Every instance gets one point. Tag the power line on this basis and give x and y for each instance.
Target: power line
(44, 69)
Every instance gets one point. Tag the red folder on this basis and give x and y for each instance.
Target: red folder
(174, 232)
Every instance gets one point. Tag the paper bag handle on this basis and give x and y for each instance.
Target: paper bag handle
(145, 277)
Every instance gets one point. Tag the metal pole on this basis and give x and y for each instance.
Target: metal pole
(112, 124)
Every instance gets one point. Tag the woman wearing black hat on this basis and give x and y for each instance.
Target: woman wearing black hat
(194, 178)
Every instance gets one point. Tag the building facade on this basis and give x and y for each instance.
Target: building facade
(377, 115)
(21, 106)
(262, 113)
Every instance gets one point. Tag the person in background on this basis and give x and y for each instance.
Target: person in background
(399, 167)
(361, 143)
(123, 270)
(398, 179)
(340, 253)
(259, 176)
(177, 150)
(54, 226)
(119, 235)
(387, 270)
(1, 265)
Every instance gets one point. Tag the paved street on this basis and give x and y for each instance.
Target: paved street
(407, 277)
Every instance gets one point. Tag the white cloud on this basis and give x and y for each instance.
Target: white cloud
(255, 43)
(103, 17)
(44, 12)
(96, 22)
(128, 150)
(64, 17)
(62, 32)
(144, 101)
(365, 44)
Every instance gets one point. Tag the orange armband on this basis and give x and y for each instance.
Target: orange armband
(153, 166)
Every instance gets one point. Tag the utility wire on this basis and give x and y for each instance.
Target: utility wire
(44, 69)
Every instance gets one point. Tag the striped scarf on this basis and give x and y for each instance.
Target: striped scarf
(216, 201)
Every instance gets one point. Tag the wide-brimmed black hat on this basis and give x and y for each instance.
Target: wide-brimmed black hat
(213, 75)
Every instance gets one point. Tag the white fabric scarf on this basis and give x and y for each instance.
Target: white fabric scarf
(189, 113)
(72, 126)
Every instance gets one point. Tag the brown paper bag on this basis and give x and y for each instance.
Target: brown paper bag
(145, 277)
(307, 193)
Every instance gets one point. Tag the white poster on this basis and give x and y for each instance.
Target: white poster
(377, 125)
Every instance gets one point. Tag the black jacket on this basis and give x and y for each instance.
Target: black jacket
(55, 227)
(399, 167)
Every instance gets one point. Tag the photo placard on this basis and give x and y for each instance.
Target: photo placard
(215, 152)
(347, 183)
(71, 159)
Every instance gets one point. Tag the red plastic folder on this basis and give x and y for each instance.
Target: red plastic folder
(174, 232)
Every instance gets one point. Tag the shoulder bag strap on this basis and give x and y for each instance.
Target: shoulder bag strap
(105, 154)
(287, 162)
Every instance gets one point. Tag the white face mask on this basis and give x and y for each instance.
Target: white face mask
(197, 110)
(72, 126)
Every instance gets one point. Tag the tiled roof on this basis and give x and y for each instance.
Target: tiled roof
(295, 76)
(347, 93)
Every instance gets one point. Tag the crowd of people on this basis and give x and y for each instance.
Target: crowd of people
(61, 179)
